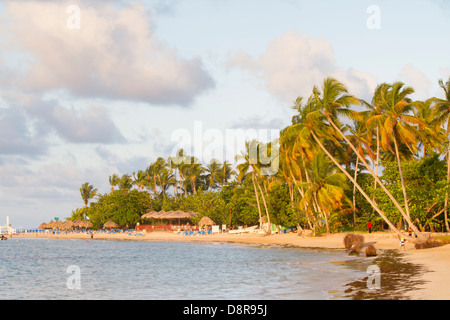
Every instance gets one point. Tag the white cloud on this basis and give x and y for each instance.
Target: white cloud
(416, 79)
(114, 53)
(293, 63)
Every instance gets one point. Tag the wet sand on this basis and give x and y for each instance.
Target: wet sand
(429, 267)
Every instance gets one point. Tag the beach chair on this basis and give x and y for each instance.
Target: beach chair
(209, 231)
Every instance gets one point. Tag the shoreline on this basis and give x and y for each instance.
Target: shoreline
(435, 261)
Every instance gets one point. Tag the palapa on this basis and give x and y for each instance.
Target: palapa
(67, 225)
(110, 224)
(57, 224)
(77, 222)
(85, 224)
(43, 225)
(206, 221)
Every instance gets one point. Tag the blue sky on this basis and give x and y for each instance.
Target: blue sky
(80, 104)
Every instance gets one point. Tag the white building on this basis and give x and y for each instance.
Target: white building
(7, 229)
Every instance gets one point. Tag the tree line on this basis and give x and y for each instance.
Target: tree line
(342, 162)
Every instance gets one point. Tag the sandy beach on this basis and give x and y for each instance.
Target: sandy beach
(436, 261)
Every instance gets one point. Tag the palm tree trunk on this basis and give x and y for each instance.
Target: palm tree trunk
(300, 190)
(377, 164)
(373, 203)
(265, 206)
(448, 181)
(354, 192)
(394, 201)
(401, 177)
(257, 200)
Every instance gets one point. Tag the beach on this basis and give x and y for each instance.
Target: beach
(435, 261)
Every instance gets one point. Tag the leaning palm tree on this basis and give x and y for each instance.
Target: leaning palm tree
(431, 135)
(249, 158)
(334, 100)
(327, 188)
(87, 192)
(318, 130)
(398, 126)
(442, 107)
(359, 138)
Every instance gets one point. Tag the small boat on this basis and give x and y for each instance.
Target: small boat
(3, 237)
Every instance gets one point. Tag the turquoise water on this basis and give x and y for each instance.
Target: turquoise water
(38, 269)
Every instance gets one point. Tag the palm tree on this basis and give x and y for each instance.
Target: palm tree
(316, 127)
(195, 171)
(166, 180)
(212, 172)
(399, 127)
(140, 180)
(225, 173)
(125, 182)
(87, 192)
(431, 135)
(327, 187)
(113, 181)
(335, 100)
(249, 158)
(442, 107)
(359, 138)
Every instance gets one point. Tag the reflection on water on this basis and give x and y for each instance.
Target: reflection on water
(37, 269)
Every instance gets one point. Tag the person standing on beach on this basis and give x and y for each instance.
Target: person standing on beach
(369, 226)
(402, 243)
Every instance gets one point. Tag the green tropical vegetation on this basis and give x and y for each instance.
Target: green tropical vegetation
(340, 163)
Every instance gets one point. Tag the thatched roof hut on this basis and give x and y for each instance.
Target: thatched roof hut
(67, 225)
(110, 224)
(43, 225)
(57, 224)
(179, 214)
(206, 221)
(85, 224)
(77, 222)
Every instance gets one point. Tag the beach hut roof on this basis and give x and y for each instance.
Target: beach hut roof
(206, 221)
(43, 225)
(148, 215)
(110, 224)
(85, 224)
(67, 224)
(57, 224)
(77, 222)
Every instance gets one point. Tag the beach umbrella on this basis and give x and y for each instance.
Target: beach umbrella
(77, 222)
(205, 221)
(110, 224)
(85, 224)
(43, 225)
(50, 224)
(67, 225)
(57, 224)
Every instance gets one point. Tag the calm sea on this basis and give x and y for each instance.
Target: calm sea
(79, 269)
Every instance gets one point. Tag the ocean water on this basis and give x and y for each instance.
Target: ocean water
(79, 269)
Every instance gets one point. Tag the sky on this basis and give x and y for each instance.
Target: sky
(93, 88)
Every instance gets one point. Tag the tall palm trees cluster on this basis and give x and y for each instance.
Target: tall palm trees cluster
(391, 126)
(178, 177)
